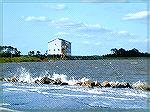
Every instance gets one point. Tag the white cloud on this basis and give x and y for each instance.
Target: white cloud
(61, 33)
(86, 42)
(121, 34)
(136, 16)
(36, 18)
(64, 19)
(58, 7)
(66, 23)
(139, 40)
(93, 28)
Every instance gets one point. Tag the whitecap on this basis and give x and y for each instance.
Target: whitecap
(16, 89)
(7, 110)
(4, 104)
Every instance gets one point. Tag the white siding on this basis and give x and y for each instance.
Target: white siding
(54, 47)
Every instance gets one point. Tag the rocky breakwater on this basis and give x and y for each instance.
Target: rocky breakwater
(46, 80)
(91, 84)
(84, 83)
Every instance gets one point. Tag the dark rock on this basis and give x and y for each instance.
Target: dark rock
(64, 83)
(97, 84)
(106, 84)
(46, 80)
(37, 81)
(1, 78)
(147, 87)
(114, 85)
(57, 82)
(88, 84)
(12, 79)
(121, 85)
(79, 83)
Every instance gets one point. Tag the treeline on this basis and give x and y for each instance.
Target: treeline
(11, 54)
(9, 51)
(126, 53)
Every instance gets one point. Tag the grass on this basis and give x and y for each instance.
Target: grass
(37, 59)
(21, 59)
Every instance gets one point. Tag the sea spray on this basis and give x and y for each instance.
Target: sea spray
(23, 75)
(141, 85)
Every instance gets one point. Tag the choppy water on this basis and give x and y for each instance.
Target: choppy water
(33, 97)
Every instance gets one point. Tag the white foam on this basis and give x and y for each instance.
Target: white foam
(6, 109)
(8, 84)
(61, 77)
(45, 93)
(119, 98)
(136, 94)
(72, 95)
(4, 104)
(16, 89)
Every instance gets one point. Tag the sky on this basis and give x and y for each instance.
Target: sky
(93, 28)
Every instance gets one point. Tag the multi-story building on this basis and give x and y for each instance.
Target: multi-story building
(59, 47)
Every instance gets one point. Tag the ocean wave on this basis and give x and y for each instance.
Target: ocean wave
(2, 109)
(24, 76)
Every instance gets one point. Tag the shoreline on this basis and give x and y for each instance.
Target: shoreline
(37, 59)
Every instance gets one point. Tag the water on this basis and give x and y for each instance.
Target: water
(28, 96)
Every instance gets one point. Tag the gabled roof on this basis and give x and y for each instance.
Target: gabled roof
(59, 39)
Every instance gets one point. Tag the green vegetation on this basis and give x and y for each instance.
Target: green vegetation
(22, 59)
(126, 53)
(10, 54)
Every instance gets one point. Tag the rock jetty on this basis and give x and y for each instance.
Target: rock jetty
(87, 83)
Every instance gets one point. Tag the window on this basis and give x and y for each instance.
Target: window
(54, 49)
(49, 50)
(58, 49)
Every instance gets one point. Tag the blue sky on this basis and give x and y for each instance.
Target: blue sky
(92, 28)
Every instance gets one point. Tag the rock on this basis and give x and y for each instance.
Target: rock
(46, 80)
(147, 87)
(124, 85)
(121, 85)
(37, 81)
(114, 85)
(141, 85)
(79, 83)
(57, 82)
(97, 84)
(12, 79)
(64, 83)
(88, 84)
(106, 84)
(1, 78)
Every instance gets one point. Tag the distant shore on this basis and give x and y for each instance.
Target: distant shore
(22, 59)
(37, 59)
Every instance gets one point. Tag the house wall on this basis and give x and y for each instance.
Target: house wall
(54, 47)
(68, 48)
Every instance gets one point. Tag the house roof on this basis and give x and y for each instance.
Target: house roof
(59, 39)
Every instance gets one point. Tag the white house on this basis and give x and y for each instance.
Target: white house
(59, 47)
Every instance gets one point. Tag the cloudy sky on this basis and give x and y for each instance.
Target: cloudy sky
(92, 28)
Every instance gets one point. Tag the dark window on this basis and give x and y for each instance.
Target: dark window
(58, 49)
(54, 49)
